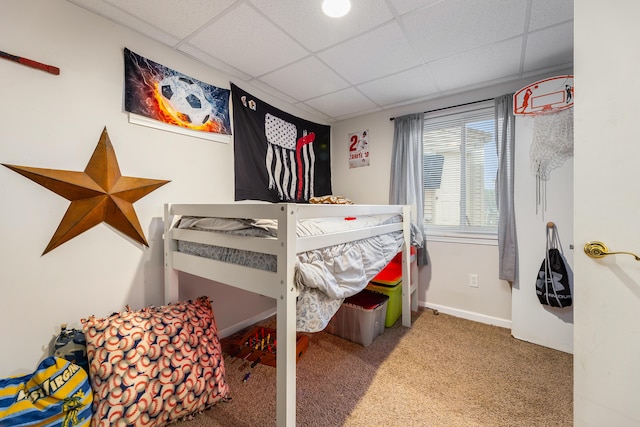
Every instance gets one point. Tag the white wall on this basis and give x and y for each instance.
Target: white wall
(55, 122)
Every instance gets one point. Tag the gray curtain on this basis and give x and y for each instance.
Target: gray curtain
(505, 145)
(406, 174)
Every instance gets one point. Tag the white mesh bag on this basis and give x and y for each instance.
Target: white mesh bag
(552, 142)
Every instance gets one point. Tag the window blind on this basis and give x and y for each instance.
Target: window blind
(459, 170)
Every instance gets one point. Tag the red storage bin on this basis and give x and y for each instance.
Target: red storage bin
(391, 275)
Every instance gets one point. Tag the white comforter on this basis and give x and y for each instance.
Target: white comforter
(325, 276)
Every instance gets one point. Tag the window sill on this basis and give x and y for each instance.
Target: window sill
(467, 239)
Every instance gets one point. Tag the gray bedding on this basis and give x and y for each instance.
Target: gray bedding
(324, 277)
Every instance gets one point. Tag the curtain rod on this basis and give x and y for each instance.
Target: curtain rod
(454, 106)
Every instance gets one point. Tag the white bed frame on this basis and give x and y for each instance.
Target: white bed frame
(278, 285)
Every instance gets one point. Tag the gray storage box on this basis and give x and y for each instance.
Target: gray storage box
(360, 318)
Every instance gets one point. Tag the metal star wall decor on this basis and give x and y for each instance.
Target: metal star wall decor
(99, 194)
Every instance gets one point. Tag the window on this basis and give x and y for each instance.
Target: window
(459, 169)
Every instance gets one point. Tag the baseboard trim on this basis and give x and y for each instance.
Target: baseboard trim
(464, 314)
(230, 330)
(469, 315)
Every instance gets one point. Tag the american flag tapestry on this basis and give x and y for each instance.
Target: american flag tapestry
(278, 157)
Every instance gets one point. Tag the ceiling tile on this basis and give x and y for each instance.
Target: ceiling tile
(341, 103)
(271, 91)
(258, 46)
(545, 13)
(305, 21)
(405, 6)
(549, 48)
(123, 18)
(305, 79)
(451, 27)
(377, 53)
(342, 68)
(478, 66)
(178, 18)
(212, 62)
(410, 84)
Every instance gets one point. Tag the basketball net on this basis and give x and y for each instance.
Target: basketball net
(552, 145)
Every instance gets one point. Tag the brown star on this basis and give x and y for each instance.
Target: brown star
(99, 194)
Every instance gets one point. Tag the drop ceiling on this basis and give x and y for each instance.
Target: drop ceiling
(383, 54)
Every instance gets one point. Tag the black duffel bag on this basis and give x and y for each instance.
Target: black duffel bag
(553, 284)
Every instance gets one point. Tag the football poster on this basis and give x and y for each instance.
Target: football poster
(359, 149)
(278, 157)
(160, 93)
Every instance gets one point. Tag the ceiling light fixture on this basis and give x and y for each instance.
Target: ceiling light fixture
(336, 8)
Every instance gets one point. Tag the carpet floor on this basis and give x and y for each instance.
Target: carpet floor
(443, 371)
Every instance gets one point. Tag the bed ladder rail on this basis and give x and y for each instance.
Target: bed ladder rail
(409, 291)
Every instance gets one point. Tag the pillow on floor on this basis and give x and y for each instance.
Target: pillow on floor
(57, 394)
(156, 365)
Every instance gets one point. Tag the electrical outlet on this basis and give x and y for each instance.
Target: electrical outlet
(473, 280)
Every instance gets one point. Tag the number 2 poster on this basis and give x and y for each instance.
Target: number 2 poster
(359, 149)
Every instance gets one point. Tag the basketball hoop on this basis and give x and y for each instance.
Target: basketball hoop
(545, 96)
(549, 101)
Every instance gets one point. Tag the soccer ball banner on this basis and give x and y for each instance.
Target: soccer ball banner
(160, 93)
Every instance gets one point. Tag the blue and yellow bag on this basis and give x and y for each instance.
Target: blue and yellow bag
(58, 393)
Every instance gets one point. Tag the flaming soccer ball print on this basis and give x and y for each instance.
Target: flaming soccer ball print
(278, 157)
(160, 93)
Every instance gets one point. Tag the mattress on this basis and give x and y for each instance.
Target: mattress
(324, 277)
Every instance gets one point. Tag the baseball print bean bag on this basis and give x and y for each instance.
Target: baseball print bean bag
(156, 365)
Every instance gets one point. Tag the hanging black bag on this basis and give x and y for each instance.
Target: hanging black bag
(553, 284)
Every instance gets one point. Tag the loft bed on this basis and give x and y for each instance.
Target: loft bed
(284, 246)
